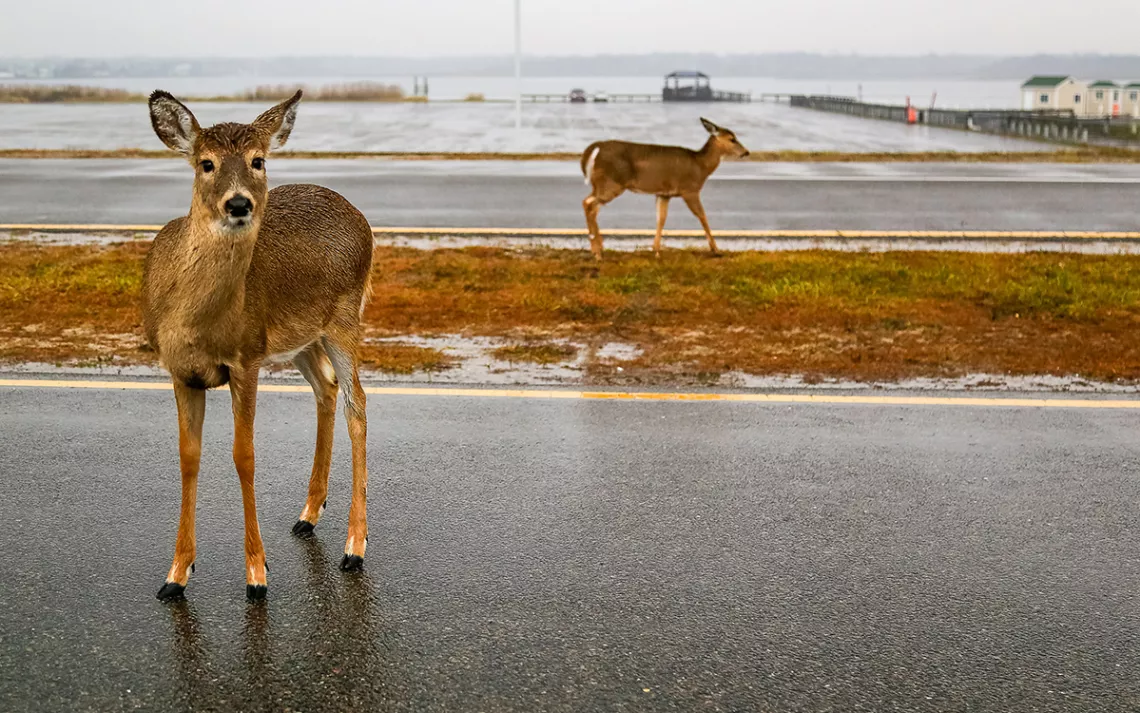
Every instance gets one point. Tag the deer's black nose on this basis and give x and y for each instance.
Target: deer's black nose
(239, 206)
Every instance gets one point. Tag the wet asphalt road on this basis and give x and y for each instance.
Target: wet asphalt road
(575, 555)
(740, 196)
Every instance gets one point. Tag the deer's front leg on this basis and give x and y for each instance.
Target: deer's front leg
(243, 390)
(191, 412)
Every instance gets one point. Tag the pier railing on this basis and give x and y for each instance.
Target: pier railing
(1053, 125)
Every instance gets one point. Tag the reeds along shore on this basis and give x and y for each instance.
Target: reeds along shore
(348, 92)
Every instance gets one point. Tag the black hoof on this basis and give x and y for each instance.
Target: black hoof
(255, 592)
(303, 527)
(352, 563)
(171, 591)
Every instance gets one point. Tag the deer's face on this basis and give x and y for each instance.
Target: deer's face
(730, 144)
(230, 185)
(725, 140)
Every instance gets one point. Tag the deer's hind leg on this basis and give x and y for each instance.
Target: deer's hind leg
(693, 200)
(314, 365)
(604, 192)
(341, 345)
(662, 214)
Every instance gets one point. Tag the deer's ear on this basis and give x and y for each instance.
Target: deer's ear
(173, 122)
(277, 123)
(709, 126)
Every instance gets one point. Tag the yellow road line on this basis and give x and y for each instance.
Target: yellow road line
(581, 232)
(84, 227)
(820, 398)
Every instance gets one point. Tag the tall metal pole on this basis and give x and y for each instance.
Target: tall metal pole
(518, 64)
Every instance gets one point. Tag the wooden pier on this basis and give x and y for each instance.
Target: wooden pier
(610, 98)
(692, 86)
(684, 86)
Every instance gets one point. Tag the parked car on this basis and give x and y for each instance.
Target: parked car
(601, 97)
(577, 96)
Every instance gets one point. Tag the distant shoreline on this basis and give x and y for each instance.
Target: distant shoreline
(355, 92)
(1066, 156)
(790, 65)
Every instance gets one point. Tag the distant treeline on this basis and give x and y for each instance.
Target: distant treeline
(788, 65)
(355, 91)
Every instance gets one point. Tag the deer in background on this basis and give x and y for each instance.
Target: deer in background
(614, 167)
(251, 274)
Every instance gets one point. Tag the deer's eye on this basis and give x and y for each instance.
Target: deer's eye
(207, 166)
(257, 163)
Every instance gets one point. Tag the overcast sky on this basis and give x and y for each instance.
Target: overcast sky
(462, 27)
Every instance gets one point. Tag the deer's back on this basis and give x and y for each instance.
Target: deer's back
(310, 236)
(310, 264)
(649, 168)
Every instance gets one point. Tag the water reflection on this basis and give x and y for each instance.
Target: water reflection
(258, 651)
(190, 651)
(317, 638)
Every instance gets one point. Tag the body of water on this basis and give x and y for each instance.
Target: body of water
(325, 126)
(952, 94)
(546, 127)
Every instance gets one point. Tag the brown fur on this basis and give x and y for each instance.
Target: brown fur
(664, 171)
(220, 300)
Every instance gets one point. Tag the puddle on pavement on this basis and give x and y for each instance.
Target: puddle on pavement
(475, 362)
(973, 382)
(630, 244)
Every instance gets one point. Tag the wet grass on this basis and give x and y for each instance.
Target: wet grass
(864, 316)
(544, 353)
(396, 358)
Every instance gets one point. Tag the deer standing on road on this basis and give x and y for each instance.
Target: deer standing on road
(614, 167)
(252, 274)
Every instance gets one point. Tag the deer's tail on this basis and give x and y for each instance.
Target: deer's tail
(367, 296)
(588, 157)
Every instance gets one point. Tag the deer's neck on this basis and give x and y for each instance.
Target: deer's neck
(213, 274)
(709, 157)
